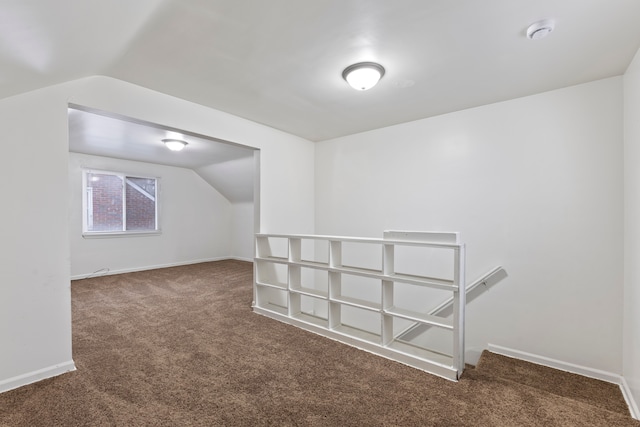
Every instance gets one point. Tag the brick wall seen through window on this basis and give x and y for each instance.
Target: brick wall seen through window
(119, 203)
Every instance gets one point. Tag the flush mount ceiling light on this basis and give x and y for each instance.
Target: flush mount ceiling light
(175, 144)
(363, 75)
(540, 29)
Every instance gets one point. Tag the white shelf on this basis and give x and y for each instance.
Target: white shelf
(276, 259)
(372, 240)
(358, 271)
(312, 264)
(420, 317)
(356, 302)
(316, 293)
(281, 286)
(312, 320)
(278, 309)
(422, 353)
(358, 333)
(429, 282)
(330, 300)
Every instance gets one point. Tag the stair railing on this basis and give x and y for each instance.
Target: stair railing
(445, 308)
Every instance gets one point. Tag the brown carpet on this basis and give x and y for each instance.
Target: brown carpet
(180, 347)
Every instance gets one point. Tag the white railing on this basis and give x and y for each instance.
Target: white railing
(445, 308)
(341, 288)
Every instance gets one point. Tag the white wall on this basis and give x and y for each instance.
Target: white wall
(234, 179)
(35, 310)
(242, 231)
(35, 305)
(286, 161)
(194, 217)
(631, 333)
(533, 184)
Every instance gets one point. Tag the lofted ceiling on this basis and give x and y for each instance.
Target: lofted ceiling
(279, 62)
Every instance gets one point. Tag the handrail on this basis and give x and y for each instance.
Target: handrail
(488, 279)
(282, 296)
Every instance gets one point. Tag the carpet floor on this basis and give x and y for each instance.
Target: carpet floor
(180, 346)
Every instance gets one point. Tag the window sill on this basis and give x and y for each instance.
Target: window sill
(111, 234)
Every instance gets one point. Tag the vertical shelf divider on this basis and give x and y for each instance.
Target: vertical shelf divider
(388, 268)
(335, 284)
(294, 276)
(459, 302)
(295, 249)
(262, 250)
(335, 253)
(294, 282)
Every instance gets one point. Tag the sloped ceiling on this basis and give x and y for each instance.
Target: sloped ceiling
(229, 168)
(279, 62)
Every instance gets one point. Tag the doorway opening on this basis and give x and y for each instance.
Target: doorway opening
(208, 194)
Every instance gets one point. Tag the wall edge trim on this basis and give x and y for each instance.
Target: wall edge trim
(35, 376)
(597, 374)
(147, 267)
(628, 397)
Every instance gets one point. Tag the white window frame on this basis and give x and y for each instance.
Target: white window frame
(86, 200)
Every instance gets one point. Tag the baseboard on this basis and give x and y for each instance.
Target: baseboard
(574, 369)
(237, 258)
(108, 272)
(35, 376)
(628, 397)
(557, 364)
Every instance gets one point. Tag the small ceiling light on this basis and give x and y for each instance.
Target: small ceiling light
(175, 144)
(363, 75)
(540, 29)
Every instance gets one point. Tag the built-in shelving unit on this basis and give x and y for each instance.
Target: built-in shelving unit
(312, 293)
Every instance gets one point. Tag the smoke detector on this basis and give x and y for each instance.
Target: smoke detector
(540, 29)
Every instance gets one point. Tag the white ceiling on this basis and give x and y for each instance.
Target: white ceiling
(279, 62)
(229, 168)
(121, 138)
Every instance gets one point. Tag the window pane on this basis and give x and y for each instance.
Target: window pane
(104, 202)
(141, 203)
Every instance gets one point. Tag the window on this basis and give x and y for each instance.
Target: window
(116, 203)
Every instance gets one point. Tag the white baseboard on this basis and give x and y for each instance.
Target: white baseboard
(556, 364)
(598, 374)
(237, 258)
(35, 376)
(628, 397)
(109, 272)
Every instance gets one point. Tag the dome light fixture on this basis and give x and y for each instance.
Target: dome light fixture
(541, 29)
(363, 75)
(175, 144)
